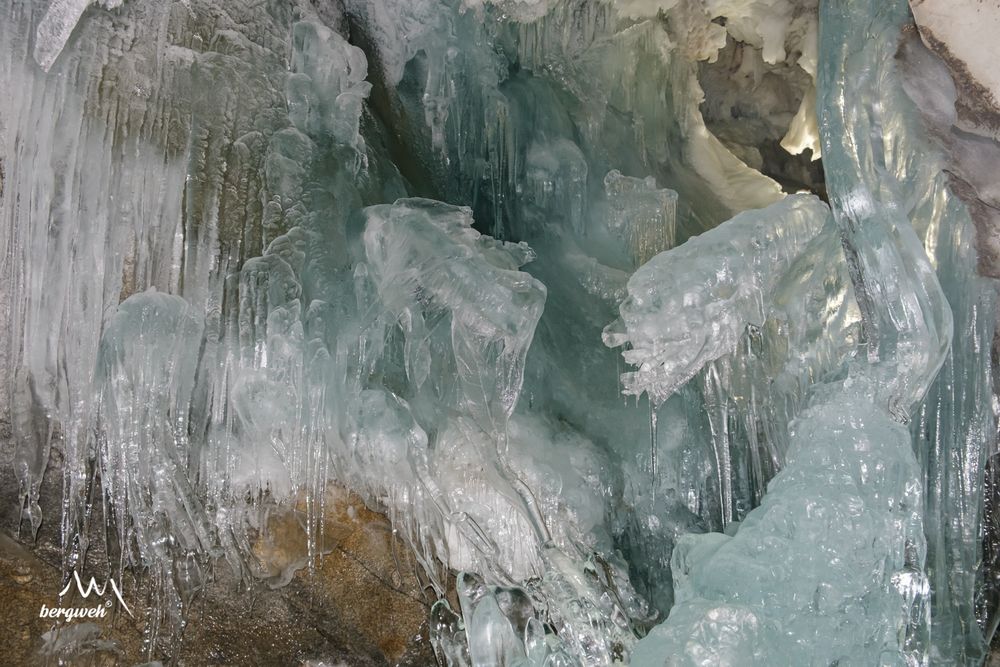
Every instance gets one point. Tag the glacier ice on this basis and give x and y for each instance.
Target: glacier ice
(485, 264)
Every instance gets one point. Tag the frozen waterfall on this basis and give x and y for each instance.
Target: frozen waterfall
(558, 288)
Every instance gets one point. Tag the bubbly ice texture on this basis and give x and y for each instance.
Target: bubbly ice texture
(691, 305)
(318, 319)
(924, 313)
(775, 301)
(834, 552)
(849, 455)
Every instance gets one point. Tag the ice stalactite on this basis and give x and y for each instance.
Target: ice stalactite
(65, 270)
(898, 170)
(146, 369)
(733, 590)
(848, 451)
(113, 190)
(643, 214)
(245, 259)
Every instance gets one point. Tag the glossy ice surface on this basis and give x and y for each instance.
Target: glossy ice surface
(484, 264)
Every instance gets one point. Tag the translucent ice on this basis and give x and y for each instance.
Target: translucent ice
(641, 213)
(833, 553)
(253, 251)
(146, 374)
(718, 297)
(427, 262)
(850, 458)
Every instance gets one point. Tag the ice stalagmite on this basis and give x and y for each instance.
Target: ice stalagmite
(888, 164)
(537, 280)
(792, 585)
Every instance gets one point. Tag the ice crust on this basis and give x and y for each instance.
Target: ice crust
(421, 249)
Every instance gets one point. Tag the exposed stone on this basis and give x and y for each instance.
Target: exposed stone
(364, 570)
(27, 583)
(962, 33)
(973, 159)
(361, 604)
(749, 105)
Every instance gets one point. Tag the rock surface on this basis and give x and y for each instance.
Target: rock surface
(361, 605)
(961, 32)
(959, 110)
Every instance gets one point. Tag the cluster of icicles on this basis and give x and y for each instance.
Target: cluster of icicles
(213, 315)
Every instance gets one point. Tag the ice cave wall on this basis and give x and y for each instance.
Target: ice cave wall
(387, 241)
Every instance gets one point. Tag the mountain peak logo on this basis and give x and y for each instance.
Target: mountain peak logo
(92, 588)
